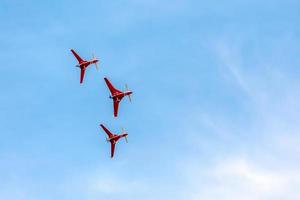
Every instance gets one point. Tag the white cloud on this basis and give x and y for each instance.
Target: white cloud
(231, 62)
(101, 183)
(239, 178)
(263, 163)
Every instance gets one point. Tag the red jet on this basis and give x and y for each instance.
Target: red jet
(113, 138)
(117, 95)
(83, 64)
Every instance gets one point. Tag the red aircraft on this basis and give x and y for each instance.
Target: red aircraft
(83, 64)
(113, 138)
(117, 95)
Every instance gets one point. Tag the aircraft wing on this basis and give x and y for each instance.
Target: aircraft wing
(82, 71)
(116, 107)
(113, 145)
(106, 131)
(77, 56)
(111, 88)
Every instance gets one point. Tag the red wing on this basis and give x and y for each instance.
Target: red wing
(112, 152)
(82, 71)
(112, 89)
(77, 56)
(106, 131)
(116, 107)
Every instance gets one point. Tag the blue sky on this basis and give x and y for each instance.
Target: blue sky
(215, 111)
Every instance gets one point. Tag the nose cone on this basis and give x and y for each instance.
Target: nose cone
(129, 92)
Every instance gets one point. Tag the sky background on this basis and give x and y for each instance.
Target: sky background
(215, 111)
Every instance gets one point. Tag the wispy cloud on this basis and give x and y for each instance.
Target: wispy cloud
(265, 162)
(239, 177)
(101, 183)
